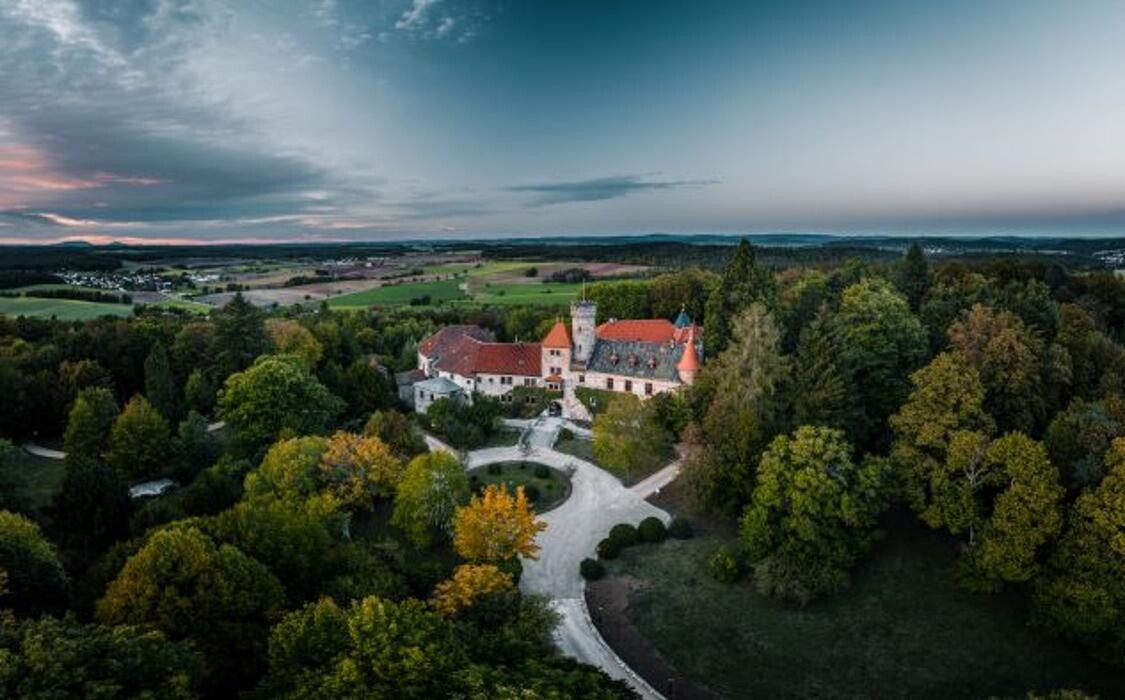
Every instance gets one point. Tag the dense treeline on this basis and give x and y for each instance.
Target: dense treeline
(93, 295)
(313, 548)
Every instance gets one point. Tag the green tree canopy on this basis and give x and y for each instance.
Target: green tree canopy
(277, 394)
(821, 392)
(160, 384)
(51, 658)
(813, 513)
(36, 580)
(741, 284)
(88, 428)
(1082, 592)
(432, 487)
(1077, 440)
(92, 509)
(184, 585)
(240, 336)
(914, 276)
(398, 432)
(139, 441)
(628, 435)
(290, 470)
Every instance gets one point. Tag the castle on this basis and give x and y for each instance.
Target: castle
(639, 356)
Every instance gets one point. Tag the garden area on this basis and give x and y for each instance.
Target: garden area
(546, 488)
(901, 629)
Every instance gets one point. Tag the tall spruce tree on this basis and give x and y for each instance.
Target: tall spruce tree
(87, 430)
(914, 277)
(240, 336)
(821, 393)
(742, 283)
(160, 384)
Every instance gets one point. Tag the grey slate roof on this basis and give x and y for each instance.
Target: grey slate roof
(636, 358)
(438, 385)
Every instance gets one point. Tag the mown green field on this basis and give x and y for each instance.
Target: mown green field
(194, 307)
(62, 309)
(533, 292)
(439, 291)
(44, 478)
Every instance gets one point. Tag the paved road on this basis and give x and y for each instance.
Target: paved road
(44, 452)
(597, 502)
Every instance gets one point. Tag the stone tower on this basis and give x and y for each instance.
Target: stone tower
(583, 318)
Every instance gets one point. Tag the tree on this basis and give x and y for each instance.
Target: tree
(275, 395)
(744, 407)
(628, 435)
(914, 277)
(138, 442)
(87, 430)
(620, 299)
(1082, 592)
(291, 338)
(376, 648)
(240, 335)
(160, 384)
(1078, 438)
(821, 395)
(947, 398)
(82, 374)
(193, 448)
(199, 392)
(881, 343)
(290, 470)
(366, 388)
(357, 470)
(36, 580)
(432, 487)
(1008, 356)
(184, 585)
(741, 284)
(14, 494)
(469, 583)
(396, 430)
(813, 513)
(51, 658)
(92, 509)
(496, 526)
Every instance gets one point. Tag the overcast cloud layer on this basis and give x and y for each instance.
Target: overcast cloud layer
(347, 119)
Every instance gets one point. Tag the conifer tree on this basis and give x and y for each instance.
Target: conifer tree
(160, 384)
(914, 277)
(742, 283)
(821, 393)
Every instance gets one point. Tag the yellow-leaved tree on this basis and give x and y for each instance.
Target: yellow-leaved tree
(496, 526)
(469, 583)
(359, 469)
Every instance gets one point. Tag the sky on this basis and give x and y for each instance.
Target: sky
(314, 120)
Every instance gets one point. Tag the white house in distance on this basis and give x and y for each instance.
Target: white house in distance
(640, 356)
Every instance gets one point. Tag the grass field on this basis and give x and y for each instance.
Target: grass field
(439, 291)
(44, 478)
(903, 629)
(194, 307)
(62, 309)
(532, 292)
(552, 489)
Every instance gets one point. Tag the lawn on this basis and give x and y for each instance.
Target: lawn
(903, 629)
(545, 489)
(62, 309)
(532, 292)
(576, 447)
(502, 438)
(194, 307)
(44, 478)
(397, 294)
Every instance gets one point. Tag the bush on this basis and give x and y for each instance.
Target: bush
(543, 471)
(723, 566)
(608, 548)
(532, 492)
(652, 530)
(591, 569)
(680, 529)
(565, 434)
(624, 534)
(494, 468)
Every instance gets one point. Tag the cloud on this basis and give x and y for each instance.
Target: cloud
(414, 17)
(599, 189)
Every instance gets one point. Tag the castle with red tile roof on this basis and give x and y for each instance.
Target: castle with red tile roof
(640, 356)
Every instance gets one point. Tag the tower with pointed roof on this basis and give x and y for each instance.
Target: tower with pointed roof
(555, 350)
(689, 364)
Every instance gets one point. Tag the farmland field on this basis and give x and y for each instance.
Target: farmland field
(62, 309)
(551, 293)
(438, 291)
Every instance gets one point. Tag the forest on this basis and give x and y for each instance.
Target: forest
(313, 548)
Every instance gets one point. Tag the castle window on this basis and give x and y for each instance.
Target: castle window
(628, 385)
(582, 379)
(609, 383)
(648, 388)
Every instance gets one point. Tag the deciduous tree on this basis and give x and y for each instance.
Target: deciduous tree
(628, 436)
(139, 441)
(160, 384)
(496, 526)
(88, 428)
(432, 487)
(289, 337)
(357, 470)
(36, 580)
(469, 583)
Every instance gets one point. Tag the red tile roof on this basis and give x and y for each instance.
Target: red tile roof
(463, 350)
(689, 361)
(439, 342)
(649, 330)
(558, 337)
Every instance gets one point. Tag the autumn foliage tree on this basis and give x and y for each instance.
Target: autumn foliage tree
(358, 470)
(469, 583)
(496, 526)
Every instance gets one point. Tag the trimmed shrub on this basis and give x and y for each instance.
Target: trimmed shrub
(624, 534)
(542, 471)
(565, 434)
(680, 529)
(495, 468)
(652, 530)
(723, 566)
(532, 492)
(608, 548)
(591, 569)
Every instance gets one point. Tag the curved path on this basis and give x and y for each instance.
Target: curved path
(598, 501)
